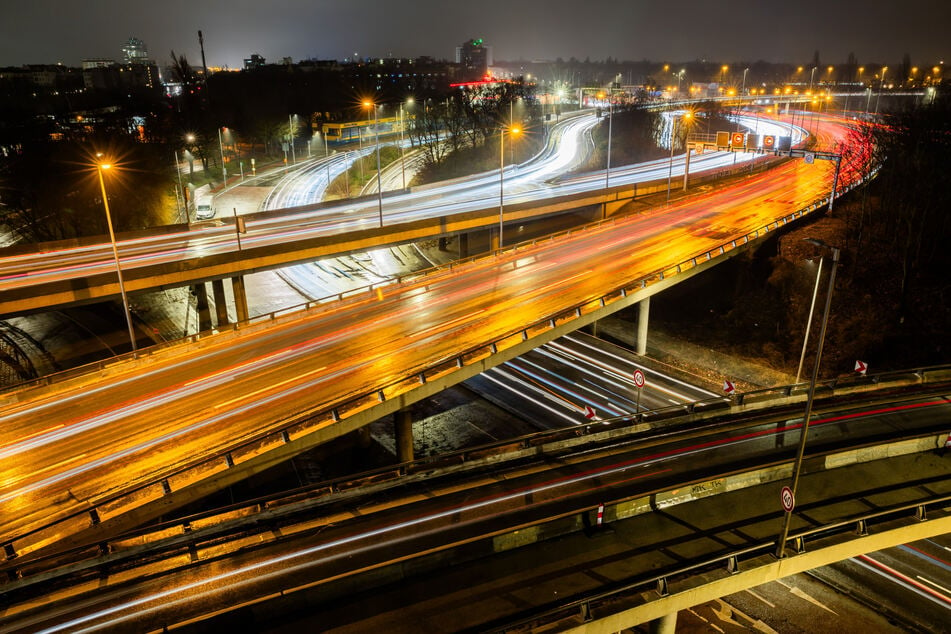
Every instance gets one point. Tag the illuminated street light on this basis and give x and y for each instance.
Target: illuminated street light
(115, 251)
(673, 129)
(376, 132)
(512, 132)
(797, 465)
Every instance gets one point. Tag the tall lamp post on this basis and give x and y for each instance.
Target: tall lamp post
(607, 171)
(512, 132)
(673, 129)
(376, 132)
(403, 147)
(290, 137)
(221, 149)
(881, 88)
(115, 251)
(797, 465)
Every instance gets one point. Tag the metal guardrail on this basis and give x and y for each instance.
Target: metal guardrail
(660, 582)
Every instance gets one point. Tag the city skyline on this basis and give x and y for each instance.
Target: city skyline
(741, 30)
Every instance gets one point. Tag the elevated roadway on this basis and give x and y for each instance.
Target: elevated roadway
(40, 277)
(131, 438)
(512, 538)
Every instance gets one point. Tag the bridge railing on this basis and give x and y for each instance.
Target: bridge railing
(727, 563)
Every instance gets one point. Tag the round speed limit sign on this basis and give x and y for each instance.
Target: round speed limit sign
(789, 501)
(639, 380)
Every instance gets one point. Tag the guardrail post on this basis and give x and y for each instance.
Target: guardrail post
(861, 528)
(662, 588)
(585, 612)
(732, 565)
(921, 513)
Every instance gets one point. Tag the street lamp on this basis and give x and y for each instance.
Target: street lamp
(881, 88)
(673, 128)
(812, 76)
(115, 251)
(512, 132)
(797, 465)
(221, 149)
(607, 170)
(290, 137)
(376, 132)
(402, 146)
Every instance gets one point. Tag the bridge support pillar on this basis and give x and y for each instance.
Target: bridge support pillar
(201, 305)
(463, 245)
(240, 298)
(404, 434)
(493, 239)
(666, 624)
(221, 302)
(643, 312)
(442, 243)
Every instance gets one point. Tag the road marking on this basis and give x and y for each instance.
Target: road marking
(761, 598)
(802, 595)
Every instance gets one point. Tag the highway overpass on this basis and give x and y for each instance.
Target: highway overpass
(131, 438)
(51, 275)
(506, 536)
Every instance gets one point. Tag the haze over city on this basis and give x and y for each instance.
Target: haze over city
(49, 31)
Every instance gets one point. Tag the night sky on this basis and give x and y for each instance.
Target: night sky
(51, 31)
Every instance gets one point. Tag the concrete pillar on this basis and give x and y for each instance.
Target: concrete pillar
(666, 624)
(221, 302)
(442, 243)
(404, 435)
(204, 313)
(463, 245)
(240, 298)
(643, 312)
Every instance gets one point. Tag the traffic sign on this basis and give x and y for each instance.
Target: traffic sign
(639, 380)
(728, 387)
(588, 412)
(809, 158)
(736, 139)
(769, 141)
(789, 500)
(861, 367)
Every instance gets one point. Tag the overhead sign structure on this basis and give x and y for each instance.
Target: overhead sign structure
(728, 387)
(789, 500)
(861, 367)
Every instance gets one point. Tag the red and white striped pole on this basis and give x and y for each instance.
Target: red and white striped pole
(600, 513)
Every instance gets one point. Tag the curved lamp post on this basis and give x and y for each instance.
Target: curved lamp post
(512, 132)
(115, 251)
(376, 132)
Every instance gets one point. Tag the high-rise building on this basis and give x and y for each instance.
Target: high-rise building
(135, 51)
(474, 59)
